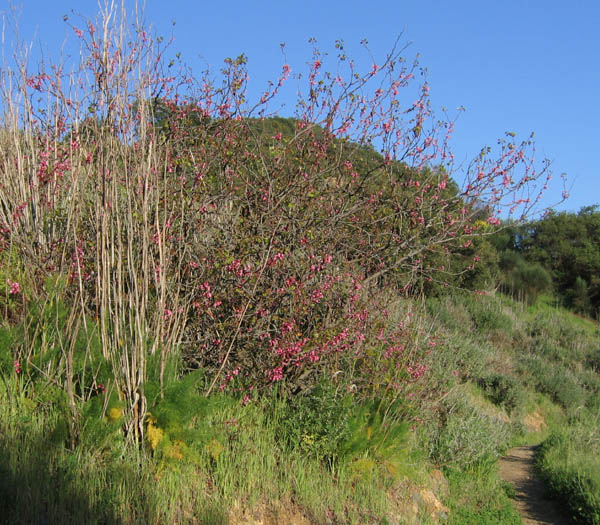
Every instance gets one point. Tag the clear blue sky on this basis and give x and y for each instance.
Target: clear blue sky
(515, 65)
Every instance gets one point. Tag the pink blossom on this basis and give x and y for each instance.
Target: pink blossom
(287, 327)
(15, 287)
(277, 374)
(275, 259)
(417, 371)
(205, 288)
(316, 296)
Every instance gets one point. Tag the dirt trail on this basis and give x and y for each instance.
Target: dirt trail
(517, 467)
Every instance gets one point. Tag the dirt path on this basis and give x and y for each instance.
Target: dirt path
(517, 468)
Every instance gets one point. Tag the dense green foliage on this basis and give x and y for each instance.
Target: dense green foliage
(567, 245)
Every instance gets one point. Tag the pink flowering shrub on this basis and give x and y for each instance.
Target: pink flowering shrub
(265, 250)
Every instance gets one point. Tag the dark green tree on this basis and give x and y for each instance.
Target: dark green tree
(568, 246)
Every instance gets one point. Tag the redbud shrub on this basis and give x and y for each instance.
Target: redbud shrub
(191, 219)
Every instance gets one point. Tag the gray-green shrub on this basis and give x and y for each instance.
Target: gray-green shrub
(466, 434)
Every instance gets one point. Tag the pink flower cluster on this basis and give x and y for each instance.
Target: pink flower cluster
(417, 371)
(13, 287)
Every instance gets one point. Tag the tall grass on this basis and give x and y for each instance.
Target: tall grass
(243, 462)
(571, 469)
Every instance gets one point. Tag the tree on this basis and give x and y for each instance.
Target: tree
(568, 245)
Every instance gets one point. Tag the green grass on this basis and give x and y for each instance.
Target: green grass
(478, 496)
(571, 469)
(246, 465)
(322, 452)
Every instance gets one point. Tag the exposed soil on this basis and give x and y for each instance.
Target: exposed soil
(517, 468)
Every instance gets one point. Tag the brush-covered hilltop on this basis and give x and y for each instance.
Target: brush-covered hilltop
(213, 314)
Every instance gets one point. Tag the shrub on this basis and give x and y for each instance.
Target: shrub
(578, 298)
(503, 390)
(450, 313)
(317, 421)
(329, 426)
(188, 223)
(521, 279)
(461, 357)
(560, 383)
(487, 315)
(466, 434)
(378, 437)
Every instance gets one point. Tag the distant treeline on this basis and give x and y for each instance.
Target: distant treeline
(559, 252)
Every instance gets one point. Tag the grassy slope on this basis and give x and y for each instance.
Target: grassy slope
(537, 370)
(503, 374)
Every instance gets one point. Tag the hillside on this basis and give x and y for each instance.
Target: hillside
(212, 314)
(533, 371)
(500, 374)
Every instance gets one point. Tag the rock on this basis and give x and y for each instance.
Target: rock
(433, 506)
(534, 422)
(439, 482)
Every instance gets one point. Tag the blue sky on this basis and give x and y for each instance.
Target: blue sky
(515, 65)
